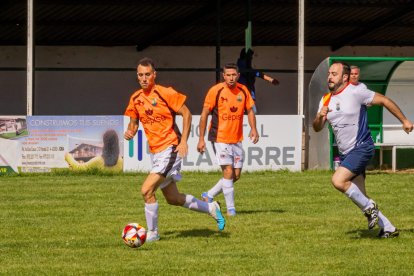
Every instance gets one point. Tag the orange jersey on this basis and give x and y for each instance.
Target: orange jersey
(227, 108)
(156, 111)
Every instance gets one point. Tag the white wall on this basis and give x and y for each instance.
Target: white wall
(106, 92)
(401, 91)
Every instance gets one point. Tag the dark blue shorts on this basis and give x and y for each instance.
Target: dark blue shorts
(357, 159)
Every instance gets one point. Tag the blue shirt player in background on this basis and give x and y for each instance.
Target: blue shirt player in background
(248, 75)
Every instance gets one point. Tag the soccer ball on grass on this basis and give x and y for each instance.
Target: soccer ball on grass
(134, 235)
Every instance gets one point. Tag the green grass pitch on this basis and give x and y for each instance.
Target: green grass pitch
(287, 224)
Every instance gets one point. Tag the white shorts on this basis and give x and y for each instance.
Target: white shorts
(229, 154)
(168, 164)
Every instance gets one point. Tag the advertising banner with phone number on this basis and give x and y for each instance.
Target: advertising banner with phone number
(42, 143)
(45, 143)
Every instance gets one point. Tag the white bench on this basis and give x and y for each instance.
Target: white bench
(394, 137)
(393, 147)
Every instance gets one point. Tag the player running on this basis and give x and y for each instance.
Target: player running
(227, 102)
(345, 108)
(156, 107)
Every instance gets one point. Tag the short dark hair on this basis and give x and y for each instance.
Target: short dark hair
(231, 66)
(146, 62)
(346, 69)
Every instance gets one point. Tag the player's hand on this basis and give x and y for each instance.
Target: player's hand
(201, 146)
(274, 82)
(129, 134)
(407, 126)
(182, 149)
(324, 111)
(254, 136)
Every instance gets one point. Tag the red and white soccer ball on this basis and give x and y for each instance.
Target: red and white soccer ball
(134, 235)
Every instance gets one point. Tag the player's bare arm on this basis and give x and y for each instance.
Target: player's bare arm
(201, 146)
(182, 148)
(254, 135)
(392, 107)
(320, 119)
(132, 129)
(270, 79)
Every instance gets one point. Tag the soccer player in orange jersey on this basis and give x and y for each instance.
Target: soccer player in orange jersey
(227, 102)
(156, 106)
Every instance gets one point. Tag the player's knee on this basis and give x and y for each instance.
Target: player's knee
(147, 194)
(338, 182)
(228, 172)
(236, 177)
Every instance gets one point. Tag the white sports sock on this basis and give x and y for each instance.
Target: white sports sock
(195, 204)
(384, 223)
(151, 215)
(216, 189)
(355, 194)
(228, 191)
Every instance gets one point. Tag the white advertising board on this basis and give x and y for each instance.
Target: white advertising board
(279, 147)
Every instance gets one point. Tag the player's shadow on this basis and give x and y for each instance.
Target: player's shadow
(278, 211)
(371, 234)
(363, 234)
(205, 232)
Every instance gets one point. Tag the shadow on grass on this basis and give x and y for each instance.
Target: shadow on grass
(372, 234)
(279, 211)
(363, 234)
(194, 233)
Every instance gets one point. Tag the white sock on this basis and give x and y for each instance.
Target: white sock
(228, 191)
(151, 215)
(195, 204)
(384, 223)
(355, 194)
(216, 189)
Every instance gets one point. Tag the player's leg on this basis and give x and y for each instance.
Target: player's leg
(342, 182)
(359, 180)
(222, 152)
(164, 164)
(228, 191)
(236, 174)
(218, 187)
(348, 178)
(388, 230)
(213, 192)
(372, 213)
(170, 168)
(148, 190)
(238, 160)
(174, 197)
(228, 188)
